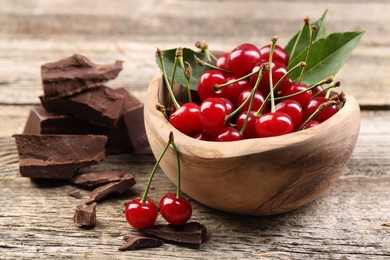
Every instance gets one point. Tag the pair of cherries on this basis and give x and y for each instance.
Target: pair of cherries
(248, 94)
(175, 209)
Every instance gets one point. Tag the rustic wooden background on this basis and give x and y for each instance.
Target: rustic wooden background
(351, 221)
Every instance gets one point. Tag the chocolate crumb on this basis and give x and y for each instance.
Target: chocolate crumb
(85, 215)
(114, 187)
(75, 194)
(133, 243)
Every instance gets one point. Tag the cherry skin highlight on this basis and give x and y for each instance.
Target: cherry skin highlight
(186, 119)
(274, 124)
(212, 115)
(207, 82)
(229, 134)
(243, 59)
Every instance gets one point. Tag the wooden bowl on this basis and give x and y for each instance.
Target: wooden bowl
(261, 176)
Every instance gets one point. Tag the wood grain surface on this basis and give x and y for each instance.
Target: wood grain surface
(350, 221)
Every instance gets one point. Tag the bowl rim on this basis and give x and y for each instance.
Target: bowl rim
(242, 147)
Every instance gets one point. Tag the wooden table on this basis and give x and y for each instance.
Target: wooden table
(351, 221)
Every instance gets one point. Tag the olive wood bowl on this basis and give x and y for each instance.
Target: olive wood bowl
(260, 176)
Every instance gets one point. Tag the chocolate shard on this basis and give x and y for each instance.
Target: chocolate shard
(192, 233)
(41, 121)
(134, 121)
(75, 194)
(133, 243)
(118, 187)
(58, 156)
(100, 106)
(75, 74)
(85, 215)
(93, 179)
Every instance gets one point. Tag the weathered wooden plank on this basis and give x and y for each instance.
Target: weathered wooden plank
(346, 221)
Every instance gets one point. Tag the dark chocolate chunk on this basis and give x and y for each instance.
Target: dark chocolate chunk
(192, 233)
(75, 74)
(58, 156)
(133, 243)
(75, 194)
(85, 215)
(100, 106)
(41, 121)
(93, 179)
(134, 121)
(118, 187)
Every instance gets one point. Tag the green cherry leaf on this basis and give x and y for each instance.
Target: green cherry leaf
(327, 56)
(188, 56)
(305, 37)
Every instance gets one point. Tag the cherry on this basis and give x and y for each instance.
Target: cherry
(258, 99)
(229, 134)
(250, 130)
(212, 115)
(186, 119)
(229, 105)
(233, 90)
(279, 54)
(200, 135)
(318, 89)
(207, 82)
(273, 124)
(295, 87)
(223, 62)
(311, 123)
(312, 106)
(141, 214)
(175, 209)
(292, 108)
(243, 59)
(278, 70)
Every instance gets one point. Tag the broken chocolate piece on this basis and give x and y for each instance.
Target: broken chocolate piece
(93, 179)
(134, 121)
(41, 121)
(113, 187)
(85, 215)
(133, 243)
(100, 106)
(75, 74)
(75, 194)
(58, 156)
(192, 233)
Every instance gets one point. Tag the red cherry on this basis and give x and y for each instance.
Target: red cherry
(186, 119)
(311, 123)
(229, 105)
(312, 106)
(141, 215)
(279, 54)
(223, 62)
(250, 130)
(212, 115)
(229, 134)
(243, 58)
(278, 71)
(200, 135)
(176, 211)
(207, 82)
(273, 124)
(295, 87)
(292, 108)
(318, 89)
(258, 100)
(232, 91)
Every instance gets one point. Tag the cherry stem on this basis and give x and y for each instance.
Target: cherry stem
(217, 86)
(271, 84)
(160, 55)
(259, 77)
(162, 109)
(238, 109)
(306, 22)
(204, 63)
(327, 89)
(318, 110)
(312, 36)
(185, 72)
(178, 164)
(144, 197)
(204, 47)
(301, 64)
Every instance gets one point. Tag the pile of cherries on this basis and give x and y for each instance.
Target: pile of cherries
(247, 93)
